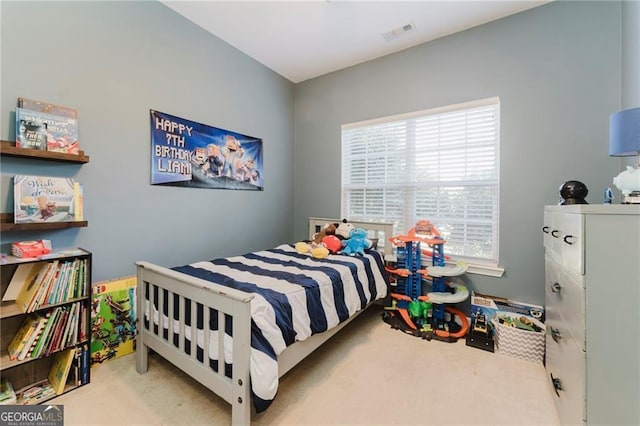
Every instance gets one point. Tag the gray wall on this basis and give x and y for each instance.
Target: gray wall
(557, 71)
(114, 61)
(556, 68)
(630, 63)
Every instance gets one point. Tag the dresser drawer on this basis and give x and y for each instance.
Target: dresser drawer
(563, 239)
(565, 302)
(566, 364)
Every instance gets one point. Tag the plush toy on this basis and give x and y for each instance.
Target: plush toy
(320, 252)
(327, 229)
(302, 247)
(332, 243)
(357, 242)
(343, 229)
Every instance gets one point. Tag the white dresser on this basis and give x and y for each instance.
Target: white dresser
(592, 297)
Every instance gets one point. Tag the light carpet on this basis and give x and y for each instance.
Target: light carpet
(368, 374)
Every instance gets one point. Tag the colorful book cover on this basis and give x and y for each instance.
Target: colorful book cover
(60, 369)
(61, 132)
(31, 134)
(43, 199)
(18, 280)
(31, 285)
(7, 394)
(40, 322)
(49, 108)
(78, 201)
(113, 320)
(21, 338)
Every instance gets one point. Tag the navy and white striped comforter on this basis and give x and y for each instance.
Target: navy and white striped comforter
(295, 296)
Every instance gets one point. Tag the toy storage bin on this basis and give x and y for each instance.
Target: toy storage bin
(520, 343)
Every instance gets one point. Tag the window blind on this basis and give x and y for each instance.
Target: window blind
(441, 165)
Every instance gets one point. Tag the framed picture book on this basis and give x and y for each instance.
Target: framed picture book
(40, 130)
(186, 153)
(43, 199)
(49, 108)
(31, 134)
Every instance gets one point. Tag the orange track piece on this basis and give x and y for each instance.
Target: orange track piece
(405, 316)
(400, 297)
(463, 329)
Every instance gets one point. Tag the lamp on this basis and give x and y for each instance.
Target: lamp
(624, 141)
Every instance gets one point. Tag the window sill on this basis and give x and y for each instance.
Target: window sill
(478, 269)
(490, 271)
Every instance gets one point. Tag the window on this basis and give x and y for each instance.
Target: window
(441, 165)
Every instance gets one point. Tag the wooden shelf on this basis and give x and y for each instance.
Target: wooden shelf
(6, 224)
(9, 149)
(7, 362)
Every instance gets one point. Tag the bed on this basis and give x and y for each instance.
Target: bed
(275, 306)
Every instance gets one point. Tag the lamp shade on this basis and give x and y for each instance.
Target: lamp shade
(624, 133)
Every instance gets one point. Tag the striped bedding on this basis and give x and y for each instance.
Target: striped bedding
(295, 297)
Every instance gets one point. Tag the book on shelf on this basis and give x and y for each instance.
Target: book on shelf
(33, 338)
(43, 199)
(59, 371)
(60, 133)
(49, 108)
(84, 364)
(30, 133)
(7, 394)
(20, 339)
(35, 393)
(79, 372)
(47, 333)
(17, 281)
(78, 200)
(30, 284)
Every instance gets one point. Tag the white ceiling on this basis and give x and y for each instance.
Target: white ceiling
(308, 38)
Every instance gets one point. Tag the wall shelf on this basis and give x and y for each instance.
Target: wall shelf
(9, 149)
(6, 224)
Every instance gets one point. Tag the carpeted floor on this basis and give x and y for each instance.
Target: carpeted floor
(368, 374)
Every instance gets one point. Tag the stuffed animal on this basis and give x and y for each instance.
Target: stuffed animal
(327, 229)
(332, 243)
(302, 247)
(320, 252)
(357, 242)
(343, 229)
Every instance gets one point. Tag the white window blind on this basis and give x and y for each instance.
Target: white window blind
(441, 165)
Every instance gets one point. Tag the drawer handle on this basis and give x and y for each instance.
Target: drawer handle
(567, 238)
(556, 287)
(555, 335)
(557, 384)
(545, 229)
(554, 233)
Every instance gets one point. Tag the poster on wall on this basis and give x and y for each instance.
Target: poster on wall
(186, 153)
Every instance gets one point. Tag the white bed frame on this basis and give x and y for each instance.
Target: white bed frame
(235, 390)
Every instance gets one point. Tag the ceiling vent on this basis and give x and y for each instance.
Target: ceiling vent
(398, 32)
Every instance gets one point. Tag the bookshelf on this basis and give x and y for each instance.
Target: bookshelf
(70, 314)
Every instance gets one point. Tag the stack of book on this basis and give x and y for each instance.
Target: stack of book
(42, 335)
(35, 393)
(44, 126)
(7, 394)
(38, 284)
